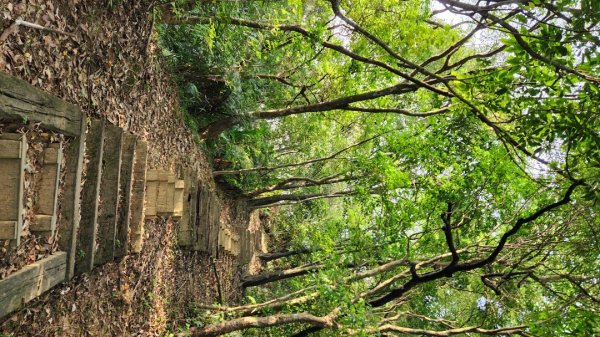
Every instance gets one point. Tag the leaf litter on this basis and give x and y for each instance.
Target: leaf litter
(111, 68)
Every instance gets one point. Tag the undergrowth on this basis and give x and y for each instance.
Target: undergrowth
(210, 89)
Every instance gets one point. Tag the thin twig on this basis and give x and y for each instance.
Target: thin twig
(14, 27)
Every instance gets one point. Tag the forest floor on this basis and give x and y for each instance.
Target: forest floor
(111, 68)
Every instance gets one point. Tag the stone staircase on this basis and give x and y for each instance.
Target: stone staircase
(112, 196)
(102, 219)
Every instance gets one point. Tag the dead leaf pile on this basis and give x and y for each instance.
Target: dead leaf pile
(110, 68)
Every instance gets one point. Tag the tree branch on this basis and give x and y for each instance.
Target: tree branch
(286, 184)
(398, 111)
(278, 275)
(470, 265)
(273, 200)
(259, 322)
(452, 332)
(515, 33)
(446, 218)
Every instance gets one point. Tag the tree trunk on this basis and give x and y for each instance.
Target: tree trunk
(278, 275)
(262, 202)
(277, 303)
(214, 129)
(299, 182)
(261, 322)
(453, 331)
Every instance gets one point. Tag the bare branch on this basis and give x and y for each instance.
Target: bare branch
(451, 332)
(277, 275)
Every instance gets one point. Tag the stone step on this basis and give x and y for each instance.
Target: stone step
(214, 225)
(206, 234)
(19, 102)
(178, 199)
(235, 249)
(86, 243)
(13, 154)
(226, 239)
(136, 226)
(171, 194)
(244, 245)
(109, 194)
(194, 204)
(125, 189)
(264, 241)
(222, 237)
(166, 191)
(161, 193)
(151, 193)
(201, 224)
(31, 281)
(44, 223)
(208, 223)
(187, 219)
(70, 205)
(182, 212)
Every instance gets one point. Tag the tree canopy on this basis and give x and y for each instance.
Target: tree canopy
(432, 167)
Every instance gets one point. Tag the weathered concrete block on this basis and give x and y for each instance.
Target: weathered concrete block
(125, 188)
(136, 227)
(31, 281)
(151, 194)
(86, 244)
(12, 164)
(47, 200)
(109, 194)
(70, 209)
(20, 101)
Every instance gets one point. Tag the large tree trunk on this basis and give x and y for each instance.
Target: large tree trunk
(261, 322)
(334, 104)
(214, 129)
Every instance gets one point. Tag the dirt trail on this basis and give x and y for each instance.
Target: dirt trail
(111, 70)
